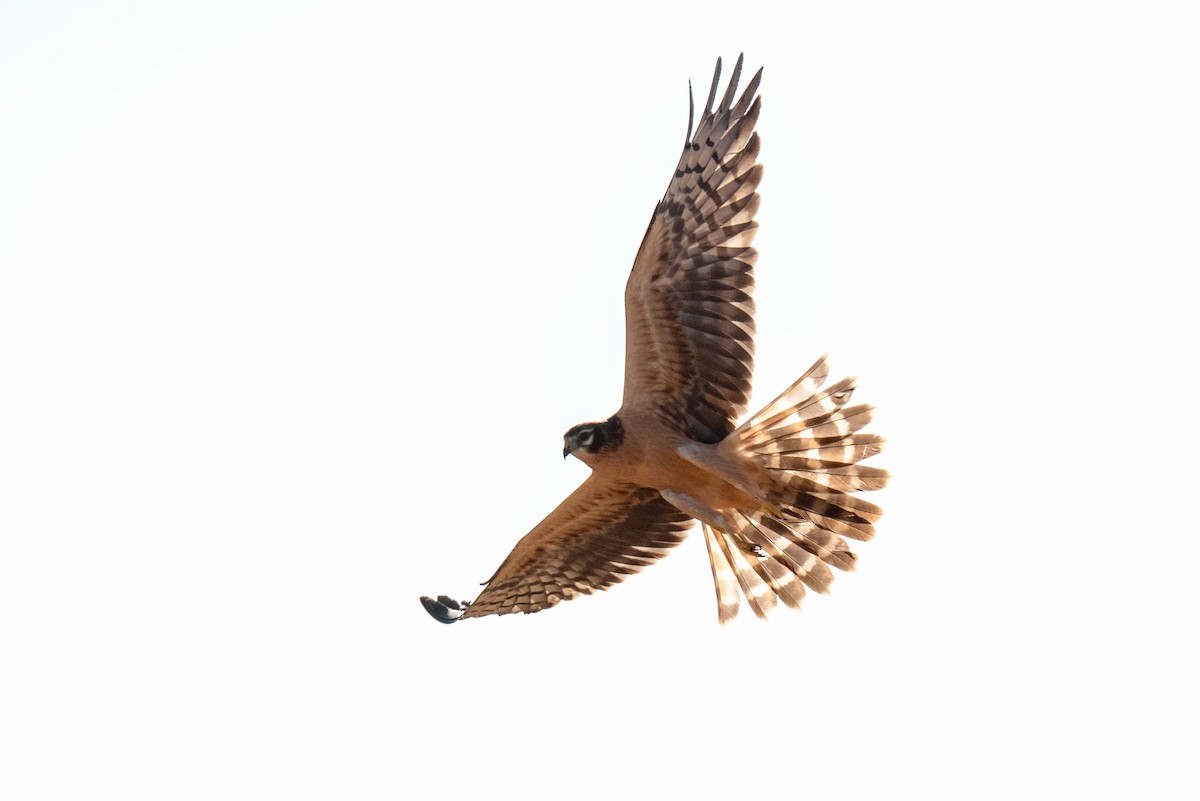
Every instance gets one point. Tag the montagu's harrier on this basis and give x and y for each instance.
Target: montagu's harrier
(775, 496)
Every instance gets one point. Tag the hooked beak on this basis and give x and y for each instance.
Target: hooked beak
(566, 451)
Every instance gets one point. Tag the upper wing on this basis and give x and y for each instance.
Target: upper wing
(689, 315)
(601, 533)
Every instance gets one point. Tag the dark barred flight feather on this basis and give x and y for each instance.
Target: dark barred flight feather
(590, 542)
(690, 289)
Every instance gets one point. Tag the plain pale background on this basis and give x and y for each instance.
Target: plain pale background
(297, 300)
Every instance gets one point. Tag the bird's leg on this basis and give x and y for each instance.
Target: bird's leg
(702, 512)
(711, 460)
(712, 518)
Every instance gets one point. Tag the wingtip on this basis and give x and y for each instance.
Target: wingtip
(444, 609)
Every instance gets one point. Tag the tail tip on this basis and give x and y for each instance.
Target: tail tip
(444, 609)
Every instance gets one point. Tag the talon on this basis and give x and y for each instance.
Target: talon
(752, 549)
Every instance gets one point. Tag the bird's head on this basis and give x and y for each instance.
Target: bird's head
(590, 439)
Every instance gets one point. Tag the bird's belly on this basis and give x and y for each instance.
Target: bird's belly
(669, 471)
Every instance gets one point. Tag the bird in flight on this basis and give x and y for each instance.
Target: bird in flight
(777, 495)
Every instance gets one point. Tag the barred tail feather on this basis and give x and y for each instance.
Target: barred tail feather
(811, 444)
(725, 577)
(771, 560)
(733, 567)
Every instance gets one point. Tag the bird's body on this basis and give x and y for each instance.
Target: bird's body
(650, 456)
(775, 495)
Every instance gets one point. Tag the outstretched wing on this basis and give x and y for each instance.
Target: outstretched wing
(689, 315)
(602, 532)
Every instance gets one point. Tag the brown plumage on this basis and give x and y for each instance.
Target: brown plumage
(775, 496)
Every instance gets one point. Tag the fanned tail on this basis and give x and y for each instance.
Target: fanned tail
(810, 443)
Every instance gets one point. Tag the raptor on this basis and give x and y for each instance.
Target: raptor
(777, 496)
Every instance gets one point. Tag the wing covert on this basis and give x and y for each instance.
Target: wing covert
(689, 311)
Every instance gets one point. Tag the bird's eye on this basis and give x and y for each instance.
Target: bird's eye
(585, 437)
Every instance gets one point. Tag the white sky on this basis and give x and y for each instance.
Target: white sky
(296, 301)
